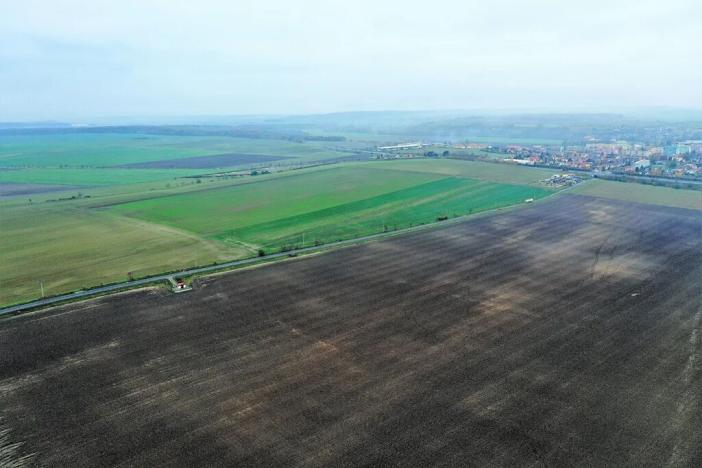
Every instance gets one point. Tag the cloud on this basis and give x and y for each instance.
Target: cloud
(66, 59)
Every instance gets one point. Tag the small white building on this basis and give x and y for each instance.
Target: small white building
(401, 146)
(642, 164)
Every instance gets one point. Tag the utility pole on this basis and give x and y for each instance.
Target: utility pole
(41, 285)
(303, 239)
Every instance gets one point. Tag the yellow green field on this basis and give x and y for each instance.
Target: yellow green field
(68, 248)
(641, 193)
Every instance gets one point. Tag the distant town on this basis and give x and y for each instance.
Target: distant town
(679, 160)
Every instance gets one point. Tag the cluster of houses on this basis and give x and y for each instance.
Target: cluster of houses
(679, 160)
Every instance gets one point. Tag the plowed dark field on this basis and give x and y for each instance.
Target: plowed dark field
(566, 333)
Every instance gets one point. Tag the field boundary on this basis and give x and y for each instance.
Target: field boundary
(251, 261)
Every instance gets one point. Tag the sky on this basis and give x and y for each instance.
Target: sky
(65, 59)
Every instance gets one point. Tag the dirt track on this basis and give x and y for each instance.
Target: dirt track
(565, 333)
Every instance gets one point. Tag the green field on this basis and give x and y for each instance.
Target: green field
(154, 226)
(209, 212)
(422, 204)
(327, 205)
(104, 150)
(87, 150)
(641, 193)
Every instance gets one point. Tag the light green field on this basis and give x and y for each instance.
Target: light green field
(641, 193)
(491, 172)
(69, 248)
(103, 150)
(326, 205)
(92, 150)
(91, 159)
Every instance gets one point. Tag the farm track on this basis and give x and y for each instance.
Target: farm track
(565, 333)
